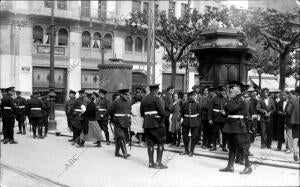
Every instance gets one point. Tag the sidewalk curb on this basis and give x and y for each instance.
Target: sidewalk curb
(253, 160)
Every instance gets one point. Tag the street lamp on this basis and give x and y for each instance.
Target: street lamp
(52, 123)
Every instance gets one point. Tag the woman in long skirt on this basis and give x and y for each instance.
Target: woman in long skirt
(137, 120)
(175, 121)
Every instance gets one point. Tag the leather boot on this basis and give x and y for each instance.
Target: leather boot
(193, 144)
(124, 150)
(150, 156)
(186, 148)
(117, 151)
(247, 170)
(159, 164)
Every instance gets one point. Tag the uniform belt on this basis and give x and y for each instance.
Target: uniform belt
(151, 112)
(122, 115)
(7, 108)
(216, 110)
(191, 116)
(101, 109)
(35, 109)
(77, 110)
(21, 106)
(236, 116)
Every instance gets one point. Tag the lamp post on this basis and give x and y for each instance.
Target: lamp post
(52, 122)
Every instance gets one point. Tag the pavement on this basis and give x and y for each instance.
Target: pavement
(260, 156)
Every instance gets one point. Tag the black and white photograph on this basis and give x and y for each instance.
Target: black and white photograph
(149, 93)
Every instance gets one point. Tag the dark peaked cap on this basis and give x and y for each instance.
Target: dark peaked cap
(101, 90)
(72, 92)
(154, 86)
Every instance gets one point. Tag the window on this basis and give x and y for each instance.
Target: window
(86, 39)
(102, 9)
(128, 43)
(85, 8)
(145, 6)
(96, 40)
(136, 5)
(138, 44)
(62, 4)
(37, 35)
(172, 8)
(184, 7)
(48, 4)
(146, 45)
(63, 37)
(108, 41)
(179, 81)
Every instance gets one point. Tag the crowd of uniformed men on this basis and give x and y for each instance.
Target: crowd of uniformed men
(228, 115)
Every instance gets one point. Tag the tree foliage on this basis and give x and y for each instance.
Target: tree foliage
(174, 34)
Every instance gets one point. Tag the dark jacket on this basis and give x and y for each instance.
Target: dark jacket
(90, 112)
(168, 104)
(8, 107)
(252, 107)
(35, 107)
(191, 114)
(102, 108)
(205, 104)
(261, 107)
(286, 112)
(152, 103)
(217, 103)
(123, 107)
(69, 105)
(46, 109)
(236, 106)
(21, 105)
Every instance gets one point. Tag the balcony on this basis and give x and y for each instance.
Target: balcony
(95, 53)
(100, 16)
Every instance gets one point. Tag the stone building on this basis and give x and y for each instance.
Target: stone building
(80, 29)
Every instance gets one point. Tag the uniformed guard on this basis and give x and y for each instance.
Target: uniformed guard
(120, 114)
(191, 114)
(204, 104)
(46, 111)
(153, 112)
(103, 104)
(8, 109)
(35, 114)
(76, 111)
(2, 93)
(21, 104)
(68, 106)
(235, 128)
(217, 118)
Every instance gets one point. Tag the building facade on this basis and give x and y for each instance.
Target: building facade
(83, 30)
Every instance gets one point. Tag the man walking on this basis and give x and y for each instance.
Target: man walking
(153, 112)
(8, 109)
(191, 113)
(103, 104)
(21, 104)
(120, 114)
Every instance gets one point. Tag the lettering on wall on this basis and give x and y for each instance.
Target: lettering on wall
(25, 69)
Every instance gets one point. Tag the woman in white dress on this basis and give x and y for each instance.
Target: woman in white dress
(136, 119)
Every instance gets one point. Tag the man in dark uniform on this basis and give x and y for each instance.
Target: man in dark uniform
(76, 111)
(217, 118)
(103, 104)
(21, 104)
(3, 92)
(204, 104)
(153, 112)
(191, 114)
(8, 109)
(46, 111)
(120, 114)
(235, 128)
(168, 110)
(35, 114)
(69, 104)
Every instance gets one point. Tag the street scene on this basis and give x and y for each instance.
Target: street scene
(149, 93)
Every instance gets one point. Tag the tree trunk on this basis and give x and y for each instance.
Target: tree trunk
(282, 69)
(173, 76)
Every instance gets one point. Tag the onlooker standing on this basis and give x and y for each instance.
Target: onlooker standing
(21, 104)
(69, 104)
(136, 119)
(175, 120)
(207, 131)
(168, 110)
(266, 107)
(295, 122)
(280, 117)
(46, 112)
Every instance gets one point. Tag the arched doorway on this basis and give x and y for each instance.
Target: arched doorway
(139, 79)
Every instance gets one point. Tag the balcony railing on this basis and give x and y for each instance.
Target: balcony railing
(99, 15)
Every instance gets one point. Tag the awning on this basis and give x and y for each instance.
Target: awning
(271, 84)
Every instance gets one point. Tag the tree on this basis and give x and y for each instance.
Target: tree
(175, 35)
(278, 30)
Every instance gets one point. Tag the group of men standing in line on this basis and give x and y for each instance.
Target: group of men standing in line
(11, 109)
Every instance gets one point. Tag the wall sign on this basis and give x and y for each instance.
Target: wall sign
(25, 69)
(46, 50)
